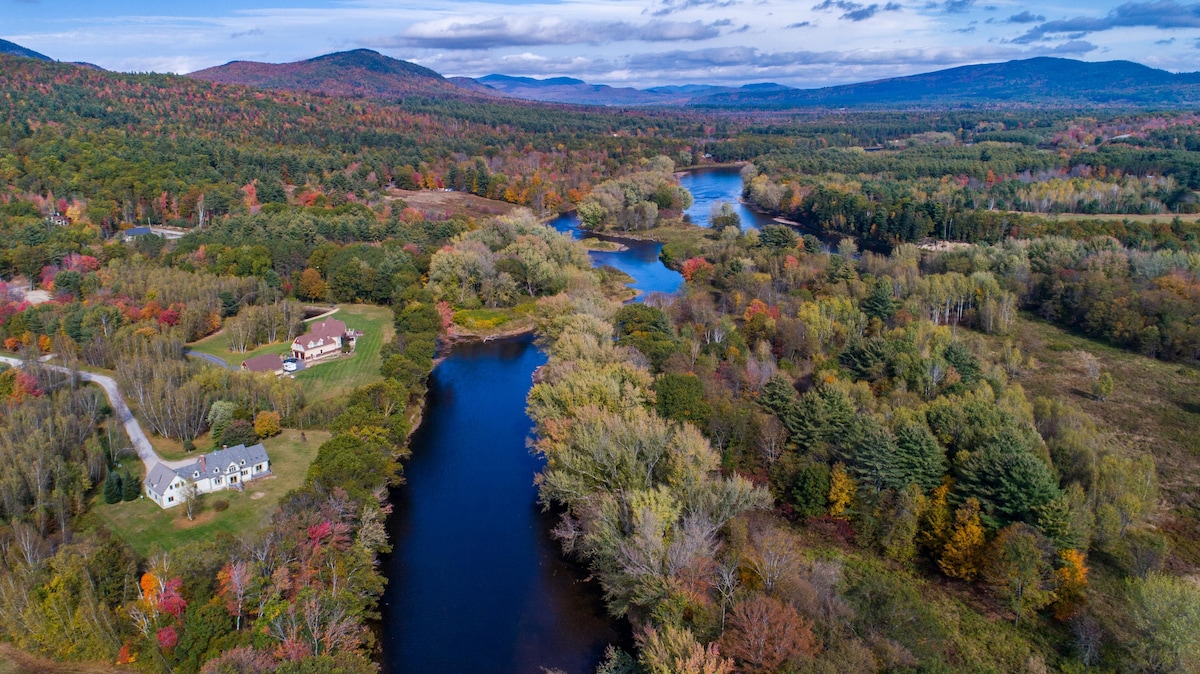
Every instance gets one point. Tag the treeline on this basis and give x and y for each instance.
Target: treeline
(637, 201)
(127, 148)
(645, 502)
(1136, 299)
(511, 259)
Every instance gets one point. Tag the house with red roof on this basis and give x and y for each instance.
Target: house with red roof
(268, 362)
(324, 339)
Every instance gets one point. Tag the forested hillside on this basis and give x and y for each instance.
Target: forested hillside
(926, 513)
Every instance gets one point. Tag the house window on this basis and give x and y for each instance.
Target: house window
(170, 499)
(217, 480)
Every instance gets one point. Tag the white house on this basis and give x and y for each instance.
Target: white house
(222, 469)
(323, 340)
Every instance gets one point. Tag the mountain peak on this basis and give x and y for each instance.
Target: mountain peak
(14, 49)
(358, 72)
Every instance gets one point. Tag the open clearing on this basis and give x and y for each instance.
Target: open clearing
(145, 526)
(1154, 408)
(434, 202)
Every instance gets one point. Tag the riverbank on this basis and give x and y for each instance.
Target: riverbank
(673, 231)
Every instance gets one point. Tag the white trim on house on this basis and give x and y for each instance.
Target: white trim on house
(222, 469)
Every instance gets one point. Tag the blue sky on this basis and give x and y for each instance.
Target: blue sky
(802, 43)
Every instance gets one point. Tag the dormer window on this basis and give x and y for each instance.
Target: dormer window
(196, 474)
(243, 462)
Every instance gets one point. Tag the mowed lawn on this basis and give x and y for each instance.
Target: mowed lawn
(145, 526)
(332, 377)
(340, 375)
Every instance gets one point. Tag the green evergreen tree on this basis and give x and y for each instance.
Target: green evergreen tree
(871, 455)
(131, 488)
(965, 362)
(920, 459)
(112, 488)
(810, 489)
(880, 303)
(681, 397)
(1011, 483)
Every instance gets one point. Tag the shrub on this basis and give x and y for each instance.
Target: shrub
(239, 432)
(220, 505)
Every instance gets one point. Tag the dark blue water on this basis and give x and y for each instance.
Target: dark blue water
(640, 260)
(711, 186)
(476, 583)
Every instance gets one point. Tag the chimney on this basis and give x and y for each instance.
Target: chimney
(202, 469)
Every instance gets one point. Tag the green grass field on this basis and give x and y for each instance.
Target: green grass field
(145, 526)
(331, 377)
(340, 375)
(1164, 218)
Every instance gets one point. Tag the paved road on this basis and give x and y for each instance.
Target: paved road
(141, 445)
(210, 358)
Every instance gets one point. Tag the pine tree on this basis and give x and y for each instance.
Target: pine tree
(919, 458)
(112, 488)
(964, 362)
(880, 303)
(1010, 482)
(872, 454)
(130, 487)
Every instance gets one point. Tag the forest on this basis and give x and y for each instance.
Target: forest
(816, 457)
(826, 461)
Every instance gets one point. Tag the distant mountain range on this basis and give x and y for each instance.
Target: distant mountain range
(570, 90)
(1038, 81)
(15, 49)
(1042, 81)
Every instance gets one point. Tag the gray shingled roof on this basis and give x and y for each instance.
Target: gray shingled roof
(160, 476)
(221, 459)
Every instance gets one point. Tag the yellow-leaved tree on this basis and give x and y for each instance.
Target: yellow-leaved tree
(964, 548)
(841, 490)
(1071, 582)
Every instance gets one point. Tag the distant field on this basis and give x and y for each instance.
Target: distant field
(145, 526)
(453, 203)
(1164, 218)
(14, 661)
(1155, 406)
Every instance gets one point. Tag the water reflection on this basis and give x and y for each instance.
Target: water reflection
(477, 585)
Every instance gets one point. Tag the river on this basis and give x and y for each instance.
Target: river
(710, 186)
(476, 583)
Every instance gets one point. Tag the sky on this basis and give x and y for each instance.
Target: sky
(802, 43)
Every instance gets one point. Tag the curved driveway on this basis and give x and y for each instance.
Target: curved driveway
(141, 444)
